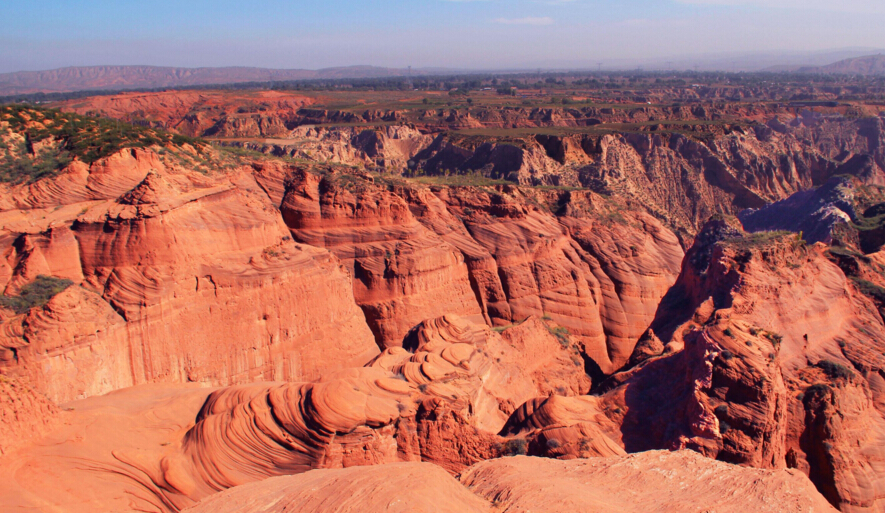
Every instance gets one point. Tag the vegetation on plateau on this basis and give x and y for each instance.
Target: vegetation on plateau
(62, 137)
(35, 294)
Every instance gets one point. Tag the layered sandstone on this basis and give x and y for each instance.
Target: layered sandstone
(444, 403)
(174, 270)
(753, 351)
(500, 255)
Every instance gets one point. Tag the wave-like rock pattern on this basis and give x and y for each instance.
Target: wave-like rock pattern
(443, 404)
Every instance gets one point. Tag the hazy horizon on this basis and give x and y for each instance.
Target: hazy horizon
(463, 34)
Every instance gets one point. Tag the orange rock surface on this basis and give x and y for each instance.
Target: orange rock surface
(393, 488)
(444, 403)
(174, 271)
(652, 481)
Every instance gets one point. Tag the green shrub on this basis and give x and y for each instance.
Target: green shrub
(834, 370)
(35, 294)
(562, 335)
(515, 447)
(86, 138)
(870, 289)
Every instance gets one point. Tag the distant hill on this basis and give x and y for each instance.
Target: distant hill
(869, 65)
(147, 77)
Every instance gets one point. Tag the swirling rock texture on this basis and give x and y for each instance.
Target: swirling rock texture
(192, 266)
(173, 270)
(444, 403)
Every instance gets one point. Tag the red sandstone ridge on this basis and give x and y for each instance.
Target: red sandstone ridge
(224, 114)
(173, 270)
(651, 481)
(499, 255)
(393, 488)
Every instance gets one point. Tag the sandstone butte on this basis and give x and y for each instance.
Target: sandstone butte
(279, 318)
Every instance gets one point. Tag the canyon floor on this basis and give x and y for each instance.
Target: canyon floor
(670, 299)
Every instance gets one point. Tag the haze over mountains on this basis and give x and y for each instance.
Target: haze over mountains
(869, 65)
(86, 78)
(145, 77)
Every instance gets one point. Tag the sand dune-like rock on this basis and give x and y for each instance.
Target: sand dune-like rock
(398, 487)
(106, 179)
(652, 481)
(443, 403)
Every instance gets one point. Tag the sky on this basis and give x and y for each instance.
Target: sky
(473, 34)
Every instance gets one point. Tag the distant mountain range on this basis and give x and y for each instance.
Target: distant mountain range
(869, 65)
(149, 77)
(93, 78)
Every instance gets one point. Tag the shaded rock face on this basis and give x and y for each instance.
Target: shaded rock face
(402, 272)
(814, 213)
(765, 339)
(172, 275)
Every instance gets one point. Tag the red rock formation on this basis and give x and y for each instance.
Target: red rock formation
(656, 481)
(754, 350)
(652, 481)
(394, 488)
(177, 271)
(443, 404)
(501, 254)
(24, 415)
(402, 272)
(596, 272)
(194, 113)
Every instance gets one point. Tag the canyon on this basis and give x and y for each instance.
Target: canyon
(254, 296)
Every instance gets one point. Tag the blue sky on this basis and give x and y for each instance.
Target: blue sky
(45, 34)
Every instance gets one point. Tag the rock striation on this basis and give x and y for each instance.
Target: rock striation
(173, 271)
